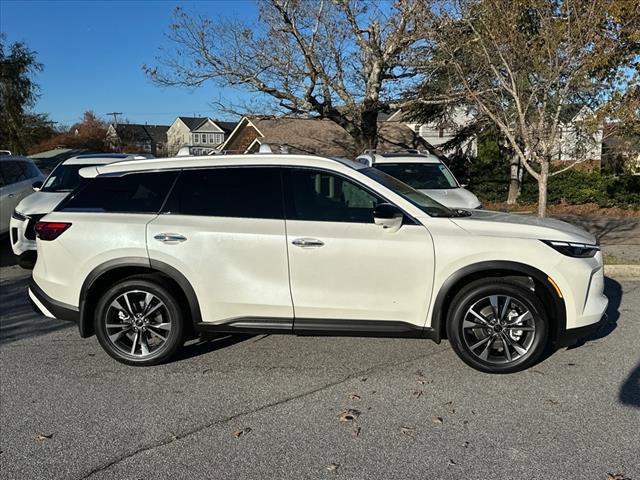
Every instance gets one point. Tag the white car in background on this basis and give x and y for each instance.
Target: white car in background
(48, 194)
(17, 174)
(426, 173)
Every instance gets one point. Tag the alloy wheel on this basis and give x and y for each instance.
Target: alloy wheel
(138, 323)
(499, 329)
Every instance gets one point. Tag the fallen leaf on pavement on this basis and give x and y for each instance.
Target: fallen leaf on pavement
(417, 393)
(409, 431)
(452, 462)
(436, 419)
(465, 444)
(616, 476)
(333, 467)
(356, 432)
(41, 437)
(354, 396)
(349, 415)
(239, 433)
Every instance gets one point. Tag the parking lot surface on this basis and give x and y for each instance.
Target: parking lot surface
(311, 407)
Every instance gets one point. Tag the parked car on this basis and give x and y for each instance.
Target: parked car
(17, 174)
(426, 173)
(63, 179)
(148, 253)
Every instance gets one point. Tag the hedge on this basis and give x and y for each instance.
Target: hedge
(572, 186)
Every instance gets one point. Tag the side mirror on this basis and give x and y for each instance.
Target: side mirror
(37, 186)
(388, 216)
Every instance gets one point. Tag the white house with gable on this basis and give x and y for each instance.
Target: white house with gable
(201, 133)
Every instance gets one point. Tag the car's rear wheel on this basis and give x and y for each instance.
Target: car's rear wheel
(498, 327)
(139, 322)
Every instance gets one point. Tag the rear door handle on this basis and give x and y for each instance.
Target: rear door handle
(170, 238)
(307, 242)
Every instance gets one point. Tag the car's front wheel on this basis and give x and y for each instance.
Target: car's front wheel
(139, 321)
(498, 327)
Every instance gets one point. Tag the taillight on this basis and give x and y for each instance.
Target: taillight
(50, 230)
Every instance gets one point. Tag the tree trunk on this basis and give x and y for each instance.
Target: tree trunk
(369, 128)
(515, 181)
(542, 188)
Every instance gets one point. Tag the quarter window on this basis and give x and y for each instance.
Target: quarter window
(131, 193)
(245, 192)
(324, 197)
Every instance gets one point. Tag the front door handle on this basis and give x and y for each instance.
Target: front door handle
(170, 238)
(307, 242)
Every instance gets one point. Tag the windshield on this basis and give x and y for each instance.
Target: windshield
(421, 176)
(419, 199)
(64, 178)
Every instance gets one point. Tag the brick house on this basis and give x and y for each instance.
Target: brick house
(312, 136)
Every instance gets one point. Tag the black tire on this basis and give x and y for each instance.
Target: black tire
(503, 347)
(168, 315)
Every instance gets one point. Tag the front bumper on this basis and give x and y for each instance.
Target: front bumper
(566, 338)
(22, 234)
(47, 306)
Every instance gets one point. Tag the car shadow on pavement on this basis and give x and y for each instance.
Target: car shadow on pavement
(203, 345)
(7, 258)
(17, 318)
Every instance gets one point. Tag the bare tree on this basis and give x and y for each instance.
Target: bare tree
(527, 65)
(337, 59)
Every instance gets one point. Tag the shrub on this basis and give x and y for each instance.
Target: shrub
(572, 186)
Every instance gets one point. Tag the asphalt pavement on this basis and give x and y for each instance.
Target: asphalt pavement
(290, 407)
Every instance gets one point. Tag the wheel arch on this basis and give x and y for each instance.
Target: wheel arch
(553, 303)
(107, 273)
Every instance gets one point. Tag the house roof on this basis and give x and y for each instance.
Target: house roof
(305, 135)
(137, 132)
(132, 132)
(157, 132)
(325, 137)
(226, 126)
(193, 122)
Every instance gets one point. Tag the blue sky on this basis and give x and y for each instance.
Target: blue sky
(93, 52)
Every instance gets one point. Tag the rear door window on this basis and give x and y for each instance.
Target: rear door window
(242, 192)
(12, 172)
(130, 193)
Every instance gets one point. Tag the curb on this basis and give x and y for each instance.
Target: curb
(623, 271)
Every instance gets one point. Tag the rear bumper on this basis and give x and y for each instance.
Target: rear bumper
(47, 306)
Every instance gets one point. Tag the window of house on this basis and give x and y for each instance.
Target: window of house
(244, 192)
(196, 138)
(204, 138)
(324, 197)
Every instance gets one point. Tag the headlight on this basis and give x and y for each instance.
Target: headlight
(573, 249)
(18, 216)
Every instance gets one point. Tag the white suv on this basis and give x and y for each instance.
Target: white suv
(424, 172)
(149, 253)
(61, 181)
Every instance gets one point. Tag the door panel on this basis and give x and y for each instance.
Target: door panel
(345, 267)
(237, 266)
(361, 272)
(224, 229)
